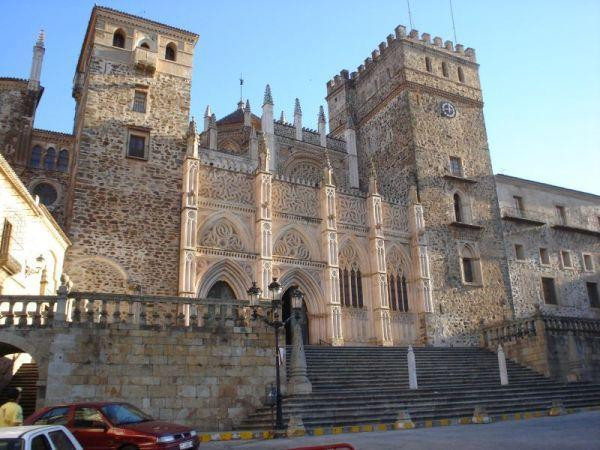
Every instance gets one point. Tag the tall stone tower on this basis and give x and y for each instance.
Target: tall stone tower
(416, 106)
(132, 90)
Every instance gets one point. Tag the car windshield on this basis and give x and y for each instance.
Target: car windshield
(10, 444)
(124, 414)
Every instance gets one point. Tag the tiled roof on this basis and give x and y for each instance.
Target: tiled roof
(105, 8)
(235, 117)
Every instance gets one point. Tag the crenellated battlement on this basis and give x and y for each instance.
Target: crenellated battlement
(392, 40)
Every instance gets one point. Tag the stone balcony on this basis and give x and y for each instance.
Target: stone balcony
(145, 60)
(526, 216)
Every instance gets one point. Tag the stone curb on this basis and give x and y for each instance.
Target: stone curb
(322, 431)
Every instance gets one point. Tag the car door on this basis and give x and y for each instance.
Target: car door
(91, 429)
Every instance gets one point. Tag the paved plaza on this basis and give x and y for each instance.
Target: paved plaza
(574, 431)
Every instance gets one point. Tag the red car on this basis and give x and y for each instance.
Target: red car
(116, 426)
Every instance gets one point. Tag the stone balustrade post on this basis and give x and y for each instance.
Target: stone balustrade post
(412, 369)
(502, 366)
(61, 301)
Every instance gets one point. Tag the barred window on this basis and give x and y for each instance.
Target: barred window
(139, 101)
(456, 166)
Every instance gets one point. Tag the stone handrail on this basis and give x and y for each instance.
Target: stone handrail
(576, 325)
(508, 331)
(517, 329)
(102, 308)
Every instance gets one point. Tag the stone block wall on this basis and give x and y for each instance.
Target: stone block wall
(209, 378)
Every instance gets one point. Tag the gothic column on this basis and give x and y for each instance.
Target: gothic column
(263, 226)
(421, 282)
(189, 217)
(380, 304)
(330, 249)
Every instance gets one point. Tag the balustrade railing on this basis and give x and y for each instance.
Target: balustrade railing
(522, 328)
(99, 308)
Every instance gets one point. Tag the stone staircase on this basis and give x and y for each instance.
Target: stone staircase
(367, 385)
(25, 378)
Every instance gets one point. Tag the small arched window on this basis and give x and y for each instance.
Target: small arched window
(36, 156)
(470, 265)
(457, 208)
(445, 69)
(461, 75)
(170, 52)
(50, 159)
(145, 46)
(119, 39)
(63, 160)
(428, 63)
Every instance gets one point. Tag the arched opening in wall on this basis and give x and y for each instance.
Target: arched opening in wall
(458, 216)
(63, 160)
(461, 75)
(145, 46)
(47, 194)
(171, 52)
(50, 159)
(428, 63)
(287, 311)
(445, 69)
(221, 290)
(18, 369)
(119, 39)
(36, 156)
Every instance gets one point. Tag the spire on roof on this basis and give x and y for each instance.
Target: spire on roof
(282, 118)
(247, 108)
(321, 114)
(207, 112)
(297, 109)
(41, 38)
(268, 100)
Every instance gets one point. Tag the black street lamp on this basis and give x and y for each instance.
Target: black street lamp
(276, 323)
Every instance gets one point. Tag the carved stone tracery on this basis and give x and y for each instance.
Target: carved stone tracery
(222, 235)
(291, 245)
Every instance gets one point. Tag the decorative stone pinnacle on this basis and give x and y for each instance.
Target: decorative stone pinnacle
(282, 118)
(321, 114)
(213, 120)
(268, 100)
(192, 127)
(247, 108)
(41, 38)
(297, 109)
(208, 112)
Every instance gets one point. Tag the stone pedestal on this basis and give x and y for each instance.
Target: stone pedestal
(298, 382)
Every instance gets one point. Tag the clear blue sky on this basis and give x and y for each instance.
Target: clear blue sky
(540, 63)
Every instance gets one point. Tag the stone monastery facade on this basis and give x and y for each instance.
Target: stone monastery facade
(390, 223)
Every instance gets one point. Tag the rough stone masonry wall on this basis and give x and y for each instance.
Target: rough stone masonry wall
(125, 212)
(208, 378)
(462, 307)
(15, 113)
(570, 283)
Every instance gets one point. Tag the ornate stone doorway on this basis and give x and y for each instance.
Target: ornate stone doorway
(287, 310)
